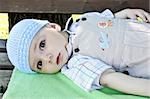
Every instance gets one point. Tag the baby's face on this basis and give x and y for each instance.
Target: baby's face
(48, 51)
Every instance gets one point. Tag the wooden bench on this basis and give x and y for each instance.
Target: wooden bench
(42, 8)
(68, 6)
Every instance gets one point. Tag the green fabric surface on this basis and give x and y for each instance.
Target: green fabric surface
(56, 86)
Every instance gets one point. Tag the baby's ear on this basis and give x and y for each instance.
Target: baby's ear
(54, 26)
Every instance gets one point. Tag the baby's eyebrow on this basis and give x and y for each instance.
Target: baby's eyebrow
(34, 58)
(36, 44)
(34, 47)
(34, 65)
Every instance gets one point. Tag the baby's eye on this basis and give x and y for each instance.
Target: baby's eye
(42, 44)
(39, 65)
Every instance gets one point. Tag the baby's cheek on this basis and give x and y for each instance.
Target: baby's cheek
(52, 69)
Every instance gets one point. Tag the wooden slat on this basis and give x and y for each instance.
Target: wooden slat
(4, 59)
(4, 79)
(68, 6)
(1, 95)
(2, 45)
(4, 62)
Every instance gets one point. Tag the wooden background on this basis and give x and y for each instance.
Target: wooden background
(68, 6)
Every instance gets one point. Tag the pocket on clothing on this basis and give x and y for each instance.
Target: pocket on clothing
(137, 35)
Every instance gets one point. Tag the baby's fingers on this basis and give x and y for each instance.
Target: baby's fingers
(132, 16)
(147, 15)
(142, 16)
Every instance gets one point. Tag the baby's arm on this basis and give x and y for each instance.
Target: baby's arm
(89, 74)
(133, 14)
(125, 83)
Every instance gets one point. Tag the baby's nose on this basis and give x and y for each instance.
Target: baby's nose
(48, 57)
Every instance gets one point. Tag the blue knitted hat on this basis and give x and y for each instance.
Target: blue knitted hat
(19, 41)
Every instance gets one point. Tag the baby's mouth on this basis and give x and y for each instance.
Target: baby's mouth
(58, 59)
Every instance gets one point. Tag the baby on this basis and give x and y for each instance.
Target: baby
(93, 51)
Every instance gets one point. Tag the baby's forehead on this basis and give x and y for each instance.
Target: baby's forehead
(43, 28)
(42, 31)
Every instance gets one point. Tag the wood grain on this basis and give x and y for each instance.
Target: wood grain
(4, 79)
(68, 6)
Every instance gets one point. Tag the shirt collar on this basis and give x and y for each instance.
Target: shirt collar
(67, 26)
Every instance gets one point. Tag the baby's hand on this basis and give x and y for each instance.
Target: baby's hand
(134, 14)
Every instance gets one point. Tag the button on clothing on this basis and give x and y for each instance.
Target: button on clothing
(76, 50)
(83, 19)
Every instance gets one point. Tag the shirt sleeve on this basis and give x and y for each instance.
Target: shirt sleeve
(85, 71)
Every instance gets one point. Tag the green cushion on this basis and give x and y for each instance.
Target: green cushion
(56, 86)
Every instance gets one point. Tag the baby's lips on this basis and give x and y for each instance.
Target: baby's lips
(58, 59)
